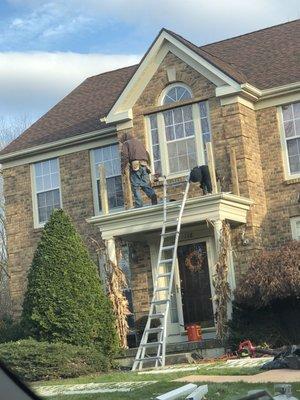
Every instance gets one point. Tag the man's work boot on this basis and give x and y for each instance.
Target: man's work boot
(154, 200)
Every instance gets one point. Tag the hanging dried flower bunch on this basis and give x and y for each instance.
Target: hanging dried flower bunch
(194, 261)
(115, 284)
(220, 282)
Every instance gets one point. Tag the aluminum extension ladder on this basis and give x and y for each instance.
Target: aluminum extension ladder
(163, 284)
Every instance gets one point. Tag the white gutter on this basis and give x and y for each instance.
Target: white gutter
(252, 93)
(43, 148)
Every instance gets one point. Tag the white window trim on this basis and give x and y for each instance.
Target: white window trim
(94, 183)
(36, 223)
(293, 222)
(163, 143)
(169, 87)
(286, 165)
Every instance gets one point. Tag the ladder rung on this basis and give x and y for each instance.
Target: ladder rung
(161, 289)
(151, 344)
(167, 260)
(160, 302)
(164, 275)
(157, 315)
(171, 233)
(154, 330)
(168, 247)
(175, 184)
(149, 358)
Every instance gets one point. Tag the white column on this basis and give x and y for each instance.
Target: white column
(111, 250)
(217, 232)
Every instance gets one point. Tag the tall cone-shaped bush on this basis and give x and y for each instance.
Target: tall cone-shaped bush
(65, 300)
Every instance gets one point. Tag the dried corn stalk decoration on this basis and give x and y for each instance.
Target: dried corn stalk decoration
(220, 282)
(116, 283)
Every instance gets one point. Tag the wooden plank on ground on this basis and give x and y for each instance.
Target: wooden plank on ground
(198, 393)
(177, 393)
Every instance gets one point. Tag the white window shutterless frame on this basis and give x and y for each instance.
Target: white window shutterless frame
(290, 137)
(177, 138)
(110, 157)
(295, 226)
(46, 190)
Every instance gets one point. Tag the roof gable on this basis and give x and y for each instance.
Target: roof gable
(212, 68)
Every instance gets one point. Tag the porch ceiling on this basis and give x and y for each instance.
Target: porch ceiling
(213, 207)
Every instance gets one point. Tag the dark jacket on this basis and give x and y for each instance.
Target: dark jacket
(201, 174)
(133, 149)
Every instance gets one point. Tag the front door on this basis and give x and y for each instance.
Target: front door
(195, 284)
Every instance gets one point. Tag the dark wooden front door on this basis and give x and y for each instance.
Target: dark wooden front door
(195, 286)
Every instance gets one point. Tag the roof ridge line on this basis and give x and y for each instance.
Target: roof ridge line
(249, 33)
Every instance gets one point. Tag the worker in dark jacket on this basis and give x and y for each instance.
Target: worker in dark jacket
(134, 153)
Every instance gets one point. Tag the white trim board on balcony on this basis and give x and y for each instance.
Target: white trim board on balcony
(149, 218)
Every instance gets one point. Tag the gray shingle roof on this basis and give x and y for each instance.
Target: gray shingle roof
(266, 58)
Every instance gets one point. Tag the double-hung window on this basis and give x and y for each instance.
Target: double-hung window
(178, 135)
(291, 130)
(47, 189)
(109, 156)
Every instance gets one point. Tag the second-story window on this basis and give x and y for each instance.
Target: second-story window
(178, 136)
(47, 188)
(291, 127)
(109, 156)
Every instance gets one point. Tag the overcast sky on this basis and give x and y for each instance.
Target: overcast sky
(49, 47)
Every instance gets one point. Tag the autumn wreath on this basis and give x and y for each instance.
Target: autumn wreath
(194, 261)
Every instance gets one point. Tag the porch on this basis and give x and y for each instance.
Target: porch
(193, 293)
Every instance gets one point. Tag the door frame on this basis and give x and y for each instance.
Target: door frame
(211, 257)
(178, 327)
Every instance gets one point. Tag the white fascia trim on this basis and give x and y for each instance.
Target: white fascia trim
(164, 43)
(43, 148)
(217, 206)
(255, 95)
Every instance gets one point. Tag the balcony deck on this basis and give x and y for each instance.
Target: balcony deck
(212, 207)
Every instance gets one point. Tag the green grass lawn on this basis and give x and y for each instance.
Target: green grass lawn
(165, 382)
(134, 376)
(216, 391)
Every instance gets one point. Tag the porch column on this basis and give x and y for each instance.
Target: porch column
(111, 250)
(230, 275)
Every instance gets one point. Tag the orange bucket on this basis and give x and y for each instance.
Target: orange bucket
(194, 332)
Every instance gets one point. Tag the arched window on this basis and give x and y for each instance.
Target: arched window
(178, 134)
(176, 93)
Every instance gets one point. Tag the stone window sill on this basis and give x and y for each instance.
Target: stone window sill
(292, 181)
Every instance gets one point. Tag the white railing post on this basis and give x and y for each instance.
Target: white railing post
(103, 199)
(234, 173)
(211, 167)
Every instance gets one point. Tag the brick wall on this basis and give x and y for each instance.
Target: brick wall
(77, 200)
(281, 195)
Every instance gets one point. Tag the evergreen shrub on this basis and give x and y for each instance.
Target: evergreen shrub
(31, 360)
(65, 301)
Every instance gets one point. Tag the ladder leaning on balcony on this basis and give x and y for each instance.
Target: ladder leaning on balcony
(163, 284)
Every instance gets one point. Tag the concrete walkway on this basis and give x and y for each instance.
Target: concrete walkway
(276, 375)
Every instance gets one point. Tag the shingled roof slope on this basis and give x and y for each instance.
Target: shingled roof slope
(79, 112)
(266, 58)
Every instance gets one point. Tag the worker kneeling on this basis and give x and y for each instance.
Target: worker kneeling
(135, 154)
(201, 175)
